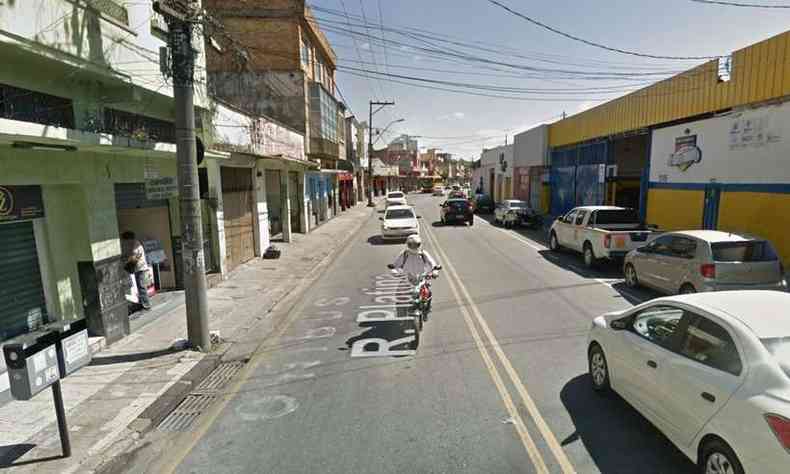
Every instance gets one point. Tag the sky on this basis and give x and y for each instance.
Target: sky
(397, 34)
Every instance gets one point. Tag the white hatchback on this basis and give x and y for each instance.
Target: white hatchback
(395, 198)
(710, 370)
(399, 222)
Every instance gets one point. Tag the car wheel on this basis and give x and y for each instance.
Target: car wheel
(589, 256)
(631, 279)
(687, 289)
(599, 369)
(471, 222)
(554, 244)
(718, 458)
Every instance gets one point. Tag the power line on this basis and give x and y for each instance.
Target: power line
(744, 5)
(594, 44)
(354, 38)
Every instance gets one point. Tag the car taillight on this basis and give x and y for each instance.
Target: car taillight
(781, 428)
(424, 293)
(607, 240)
(708, 270)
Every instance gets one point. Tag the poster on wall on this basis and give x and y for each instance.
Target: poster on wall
(161, 188)
(20, 202)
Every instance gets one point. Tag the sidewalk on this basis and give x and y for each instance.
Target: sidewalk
(130, 386)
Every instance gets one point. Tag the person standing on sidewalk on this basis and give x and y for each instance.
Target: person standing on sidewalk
(133, 254)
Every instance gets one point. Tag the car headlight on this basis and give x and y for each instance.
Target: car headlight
(385, 227)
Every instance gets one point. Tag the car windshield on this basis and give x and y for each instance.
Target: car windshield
(518, 205)
(399, 214)
(396, 195)
(617, 216)
(458, 205)
(745, 251)
(779, 347)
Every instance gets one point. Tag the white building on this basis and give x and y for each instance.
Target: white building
(530, 166)
(496, 165)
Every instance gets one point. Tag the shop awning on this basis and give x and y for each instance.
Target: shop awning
(279, 159)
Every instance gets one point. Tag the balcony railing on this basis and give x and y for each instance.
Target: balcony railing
(111, 8)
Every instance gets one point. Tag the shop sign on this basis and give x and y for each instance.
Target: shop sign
(20, 202)
(686, 153)
(161, 188)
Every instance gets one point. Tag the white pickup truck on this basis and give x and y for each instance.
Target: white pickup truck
(599, 232)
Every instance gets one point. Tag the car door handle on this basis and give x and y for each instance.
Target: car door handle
(707, 396)
(652, 364)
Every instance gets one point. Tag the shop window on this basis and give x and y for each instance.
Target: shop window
(30, 106)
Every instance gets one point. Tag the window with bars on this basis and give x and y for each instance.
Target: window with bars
(138, 126)
(30, 106)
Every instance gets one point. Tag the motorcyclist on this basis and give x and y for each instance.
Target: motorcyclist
(415, 261)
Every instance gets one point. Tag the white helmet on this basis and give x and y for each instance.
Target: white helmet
(413, 243)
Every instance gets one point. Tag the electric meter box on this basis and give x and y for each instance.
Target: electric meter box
(32, 365)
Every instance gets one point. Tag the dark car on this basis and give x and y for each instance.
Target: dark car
(483, 203)
(457, 210)
(456, 195)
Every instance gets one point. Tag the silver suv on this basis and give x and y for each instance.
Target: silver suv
(705, 260)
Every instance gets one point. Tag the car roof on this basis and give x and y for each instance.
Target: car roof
(514, 200)
(714, 235)
(457, 200)
(766, 313)
(599, 208)
(395, 208)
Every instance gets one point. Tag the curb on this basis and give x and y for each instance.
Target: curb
(162, 406)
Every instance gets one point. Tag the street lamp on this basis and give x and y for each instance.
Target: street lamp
(381, 133)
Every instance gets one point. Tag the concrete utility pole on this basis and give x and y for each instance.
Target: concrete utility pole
(180, 17)
(370, 146)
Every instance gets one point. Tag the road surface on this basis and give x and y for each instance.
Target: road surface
(498, 383)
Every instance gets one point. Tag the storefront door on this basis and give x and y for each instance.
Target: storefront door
(22, 304)
(237, 208)
(710, 215)
(295, 194)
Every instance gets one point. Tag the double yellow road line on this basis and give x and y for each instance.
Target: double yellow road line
(466, 303)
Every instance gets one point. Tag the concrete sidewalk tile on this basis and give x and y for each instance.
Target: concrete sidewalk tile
(132, 385)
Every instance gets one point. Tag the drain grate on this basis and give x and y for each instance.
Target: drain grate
(206, 393)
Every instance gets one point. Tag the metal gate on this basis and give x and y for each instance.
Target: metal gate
(22, 304)
(577, 178)
(295, 196)
(237, 207)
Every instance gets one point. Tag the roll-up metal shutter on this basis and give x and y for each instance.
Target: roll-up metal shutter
(22, 305)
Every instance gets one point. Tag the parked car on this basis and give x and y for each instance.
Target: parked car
(456, 195)
(399, 222)
(427, 189)
(514, 213)
(599, 232)
(457, 210)
(705, 260)
(483, 203)
(438, 191)
(711, 371)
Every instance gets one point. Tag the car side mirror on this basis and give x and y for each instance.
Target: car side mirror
(419, 217)
(437, 267)
(390, 266)
(381, 218)
(619, 324)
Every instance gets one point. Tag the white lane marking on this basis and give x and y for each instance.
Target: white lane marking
(4, 382)
(521, 428)
(524, 240)
(543, 427)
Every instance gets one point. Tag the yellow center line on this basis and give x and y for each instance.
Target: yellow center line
(526, 439)
(529, 403)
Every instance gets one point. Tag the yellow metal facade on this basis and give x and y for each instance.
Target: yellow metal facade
(763, 214)
(758, 73)
(675, 209)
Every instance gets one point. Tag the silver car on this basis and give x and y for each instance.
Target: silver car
(705, 260)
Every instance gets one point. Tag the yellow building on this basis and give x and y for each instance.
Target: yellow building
(702, 149)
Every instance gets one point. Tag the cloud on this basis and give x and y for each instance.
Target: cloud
(452, 116)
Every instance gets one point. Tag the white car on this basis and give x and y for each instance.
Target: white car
(438, 191)
(395, 198)
(399, 222)
(710, 370)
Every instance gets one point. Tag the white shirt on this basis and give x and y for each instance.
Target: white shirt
(414, 263)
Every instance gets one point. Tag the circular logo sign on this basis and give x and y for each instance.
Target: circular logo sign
(6, 202)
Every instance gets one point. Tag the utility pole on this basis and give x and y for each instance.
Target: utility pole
(180, 17)
(370, 146)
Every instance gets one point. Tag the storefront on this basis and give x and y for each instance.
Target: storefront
(578, 176)
(23, 304)
(728, 172)
(238, 210)
(346, 181)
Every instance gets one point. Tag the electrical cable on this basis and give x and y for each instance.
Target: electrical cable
(743, 5)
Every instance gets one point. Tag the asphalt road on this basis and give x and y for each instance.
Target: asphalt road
(497, 384)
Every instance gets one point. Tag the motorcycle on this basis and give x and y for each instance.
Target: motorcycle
(421, 297)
